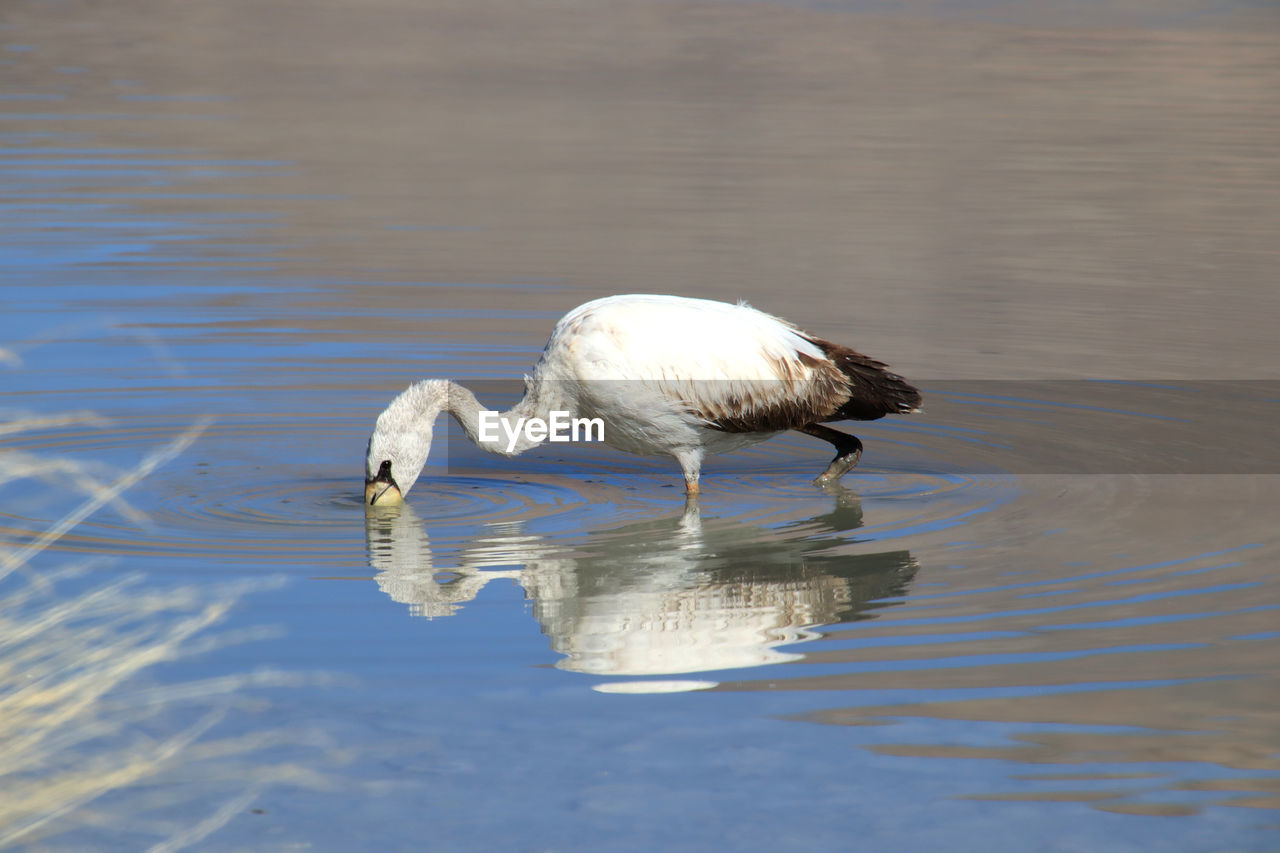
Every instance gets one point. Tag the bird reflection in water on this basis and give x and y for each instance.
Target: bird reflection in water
(665, 596)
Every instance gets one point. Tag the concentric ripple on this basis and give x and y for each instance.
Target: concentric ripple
(286, 490)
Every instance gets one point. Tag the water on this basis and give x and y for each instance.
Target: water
(1042, 615)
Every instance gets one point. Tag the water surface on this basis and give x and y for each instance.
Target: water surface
(1042, 615)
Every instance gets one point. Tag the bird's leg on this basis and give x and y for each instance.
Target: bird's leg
(848, 451)
(691, 464)
(691, 518)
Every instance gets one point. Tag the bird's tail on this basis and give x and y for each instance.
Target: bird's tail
(874, 391)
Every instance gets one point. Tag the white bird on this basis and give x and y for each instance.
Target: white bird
(666, 376)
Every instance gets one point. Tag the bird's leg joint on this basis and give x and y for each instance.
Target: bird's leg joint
(848, 451)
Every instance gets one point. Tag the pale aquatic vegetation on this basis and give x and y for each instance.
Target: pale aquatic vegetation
(79, 723)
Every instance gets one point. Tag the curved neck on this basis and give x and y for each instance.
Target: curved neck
(506, 433)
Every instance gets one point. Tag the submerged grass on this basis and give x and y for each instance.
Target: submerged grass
(86, 744)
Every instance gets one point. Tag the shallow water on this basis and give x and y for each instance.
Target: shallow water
(1042, 615)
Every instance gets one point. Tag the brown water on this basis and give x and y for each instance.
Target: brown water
(1041, 616)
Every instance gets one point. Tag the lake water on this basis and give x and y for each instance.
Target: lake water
(1041, 616)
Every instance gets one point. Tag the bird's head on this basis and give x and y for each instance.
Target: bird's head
(397, 450)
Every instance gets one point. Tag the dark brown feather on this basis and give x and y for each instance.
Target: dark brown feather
(873, 390)
(846, 386)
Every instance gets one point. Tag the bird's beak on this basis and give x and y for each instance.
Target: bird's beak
(382, 489)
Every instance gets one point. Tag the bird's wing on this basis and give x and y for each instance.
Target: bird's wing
(736, 368)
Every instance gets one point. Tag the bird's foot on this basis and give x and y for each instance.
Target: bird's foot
(839, 466)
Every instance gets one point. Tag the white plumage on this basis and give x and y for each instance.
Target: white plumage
(667, 375)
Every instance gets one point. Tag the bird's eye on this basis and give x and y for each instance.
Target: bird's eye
(383, 475)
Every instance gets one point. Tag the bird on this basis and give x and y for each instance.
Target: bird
(663, 376)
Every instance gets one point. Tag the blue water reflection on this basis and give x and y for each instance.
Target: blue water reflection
(1013, 625)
